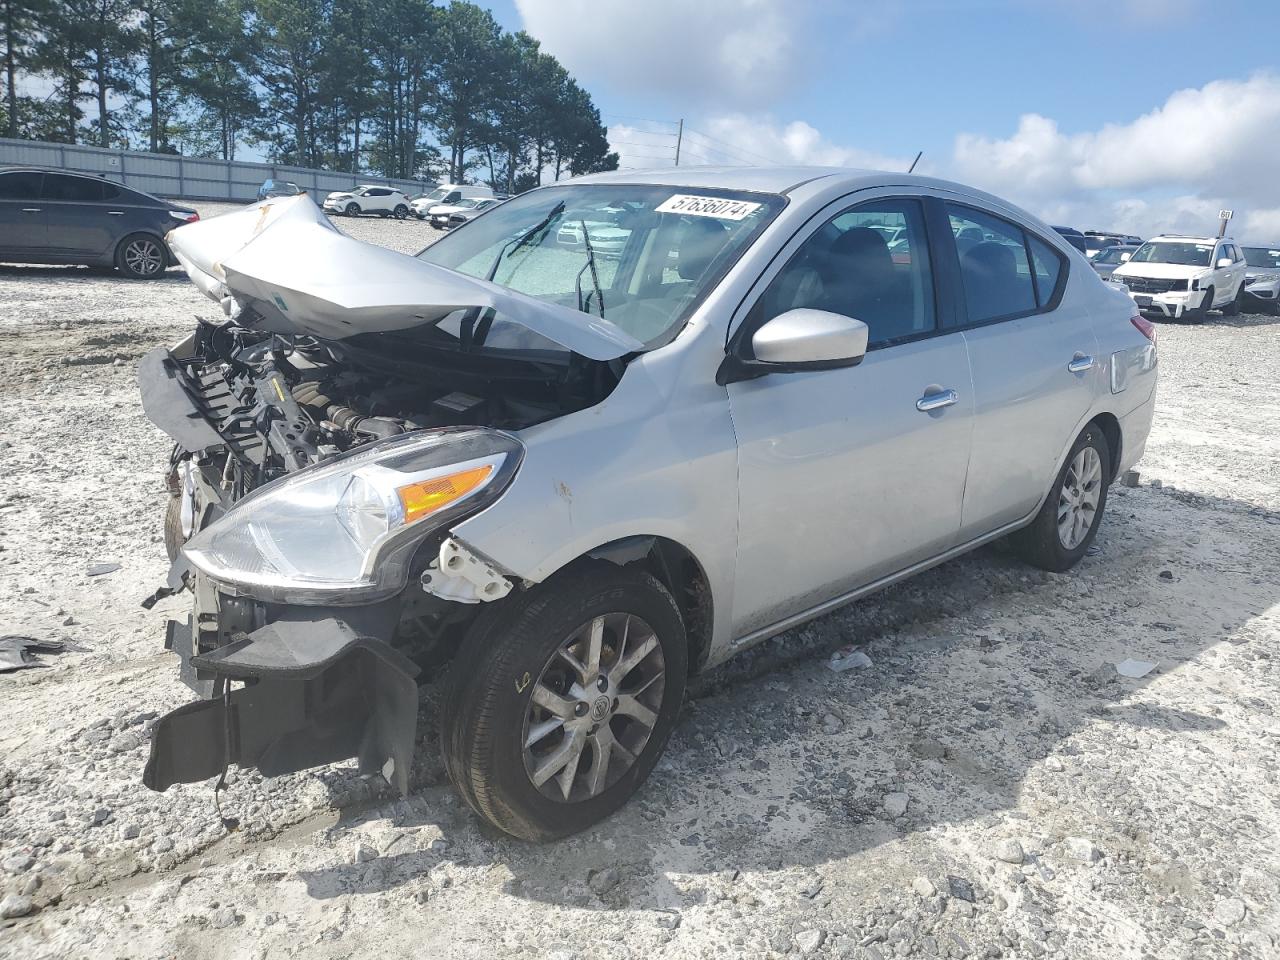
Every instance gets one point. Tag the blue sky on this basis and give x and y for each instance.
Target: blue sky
(1042, 100)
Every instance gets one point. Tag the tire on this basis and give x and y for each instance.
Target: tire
(352, 210)
(1232, 309)
(511, 652)
(1198, 315)
(1043, 544)
(401, 211)
(140, 256)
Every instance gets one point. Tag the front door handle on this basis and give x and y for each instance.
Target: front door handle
(936, 401)
(115, 213)
(1080, 363)
(30, 209)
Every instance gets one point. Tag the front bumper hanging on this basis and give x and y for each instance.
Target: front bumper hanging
(316, 691)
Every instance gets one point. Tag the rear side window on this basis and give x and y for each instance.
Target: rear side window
(59, 186)
(994, 269)
(20, 186)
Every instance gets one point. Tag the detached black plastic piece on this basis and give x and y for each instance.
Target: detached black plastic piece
(168, 404)
(317, 693)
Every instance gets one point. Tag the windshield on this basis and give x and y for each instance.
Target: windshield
(1262, 257)
(640, 256)
(1183, 253)
(1111, 254)
(436, 195)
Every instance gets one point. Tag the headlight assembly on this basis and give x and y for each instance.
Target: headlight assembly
(345, 531)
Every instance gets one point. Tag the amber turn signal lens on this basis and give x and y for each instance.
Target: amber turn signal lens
(428, 496)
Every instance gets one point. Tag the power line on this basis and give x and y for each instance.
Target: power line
(618, 116)
(726, 143)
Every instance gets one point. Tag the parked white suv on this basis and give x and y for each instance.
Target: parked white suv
(447, 194)
(370, 198)
(1179, 277)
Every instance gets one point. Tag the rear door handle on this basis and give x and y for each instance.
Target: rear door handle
(936, 401)
(115, 213)
(1080, 363)
(30, 209)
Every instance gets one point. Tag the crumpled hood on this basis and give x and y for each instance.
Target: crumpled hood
(300, 274)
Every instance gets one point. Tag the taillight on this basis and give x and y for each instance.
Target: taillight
(184, 216)
(1145, 326)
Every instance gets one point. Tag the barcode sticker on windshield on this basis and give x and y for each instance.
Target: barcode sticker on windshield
(717, 207)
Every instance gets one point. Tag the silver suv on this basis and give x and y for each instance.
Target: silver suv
(569, 480)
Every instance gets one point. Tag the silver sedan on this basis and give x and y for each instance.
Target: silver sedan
(581, 478)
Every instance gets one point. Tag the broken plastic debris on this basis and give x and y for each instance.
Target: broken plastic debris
(848, 658)
(15, 651)
(98, 569)
(1134, 669)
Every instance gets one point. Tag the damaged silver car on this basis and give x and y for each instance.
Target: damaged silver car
(566, 478)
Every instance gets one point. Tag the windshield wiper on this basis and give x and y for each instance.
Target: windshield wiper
(585, 307)
(520, 241)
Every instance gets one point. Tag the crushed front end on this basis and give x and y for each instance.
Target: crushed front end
(351, 406)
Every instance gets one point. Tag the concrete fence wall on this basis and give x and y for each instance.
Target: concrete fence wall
(183, 178)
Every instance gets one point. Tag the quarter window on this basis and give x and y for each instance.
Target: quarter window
(993, 265)
(1048, 268)
(870, 263)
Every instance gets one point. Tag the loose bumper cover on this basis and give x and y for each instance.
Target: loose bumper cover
(316, 691)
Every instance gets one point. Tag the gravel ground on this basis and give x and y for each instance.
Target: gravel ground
(988, 787)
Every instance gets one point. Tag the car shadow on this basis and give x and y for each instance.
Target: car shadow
(72, 273)
(982, 668)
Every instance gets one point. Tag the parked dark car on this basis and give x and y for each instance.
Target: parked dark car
(278, 188)
(51, 216)
(1075, 238)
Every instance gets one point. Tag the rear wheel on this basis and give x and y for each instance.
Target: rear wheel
(352, 210)
(140, 256)
(1068, 520)
(563, 699)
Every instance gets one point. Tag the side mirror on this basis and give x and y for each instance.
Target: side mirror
(1124, 257)
(800, 339)
(1225, 262)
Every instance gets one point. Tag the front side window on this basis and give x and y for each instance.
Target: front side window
(1183, 253)
(24, 185)
(870, 263)
(639, 256)
(994, 270)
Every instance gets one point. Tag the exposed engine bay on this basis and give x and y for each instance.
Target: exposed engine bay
(281, 402)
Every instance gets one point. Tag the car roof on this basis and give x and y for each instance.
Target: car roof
(90, 176)
(1259, 246)
(773, 179)
(1184, 238)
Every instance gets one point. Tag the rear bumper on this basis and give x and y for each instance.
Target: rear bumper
(317, 685)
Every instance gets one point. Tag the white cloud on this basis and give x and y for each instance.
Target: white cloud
(1170, 169)
(712, 52)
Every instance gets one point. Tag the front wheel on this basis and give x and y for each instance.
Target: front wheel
(401, 211)
(1198, 315)
(1069, 518)
(352, 210)
(563, 699)
(1232, 309)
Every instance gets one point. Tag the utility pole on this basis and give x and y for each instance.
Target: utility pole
(679, 137)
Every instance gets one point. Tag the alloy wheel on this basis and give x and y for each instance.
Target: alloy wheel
(593, 707)
(144, 257)
(1078, 498)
